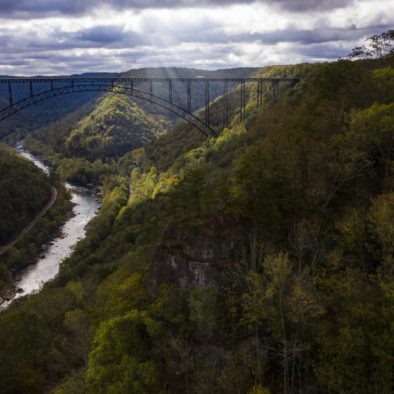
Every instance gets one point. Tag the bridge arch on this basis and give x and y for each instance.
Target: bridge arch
(24, 103)
(127, 86)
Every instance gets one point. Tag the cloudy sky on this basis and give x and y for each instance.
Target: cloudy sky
(74, 36)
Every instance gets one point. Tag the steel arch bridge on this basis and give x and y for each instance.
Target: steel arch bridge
(59, 86)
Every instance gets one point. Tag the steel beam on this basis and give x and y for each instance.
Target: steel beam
(207, 105)
(189, 96)
(124, 80)
(170, 97)
(31, 88)
(276, 87)
(242, 100)
(259, 94)
(225, 104)
(10, 95)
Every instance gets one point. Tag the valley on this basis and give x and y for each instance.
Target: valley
(255, 261)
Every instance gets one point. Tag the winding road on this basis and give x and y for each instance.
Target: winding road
(32, 223)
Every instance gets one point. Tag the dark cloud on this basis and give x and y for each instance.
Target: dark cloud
(305, 5)
(32, 42)
(101, 34)
(73, 7)
(211, 33)
(324, 51)
(114, 35)
(29, 8)
(322, 35)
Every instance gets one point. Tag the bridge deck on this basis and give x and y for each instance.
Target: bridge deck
(143, 79)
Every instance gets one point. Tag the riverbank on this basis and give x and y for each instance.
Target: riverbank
(31, 276)
(13, 290)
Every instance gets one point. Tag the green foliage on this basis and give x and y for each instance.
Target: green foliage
(119, 361)
(24, 191)
(383, 78)
(258, 261)
(116, 126)
(377, 46)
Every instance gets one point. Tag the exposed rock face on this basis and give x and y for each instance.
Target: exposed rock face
(192, 254)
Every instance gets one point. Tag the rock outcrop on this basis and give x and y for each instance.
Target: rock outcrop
(193, 254)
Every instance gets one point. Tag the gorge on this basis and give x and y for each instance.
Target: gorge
(255, 260)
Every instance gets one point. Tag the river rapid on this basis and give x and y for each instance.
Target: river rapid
(86, 206)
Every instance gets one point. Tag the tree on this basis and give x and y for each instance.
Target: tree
(282, 300)
(120, 361)
(376, 46)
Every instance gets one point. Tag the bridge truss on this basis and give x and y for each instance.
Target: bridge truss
(41, 89)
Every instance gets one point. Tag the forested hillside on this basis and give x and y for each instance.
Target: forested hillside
(260, 261)
(82, 146)
(24, 191)
(105, 128)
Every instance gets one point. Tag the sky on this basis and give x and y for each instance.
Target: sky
(58, 37)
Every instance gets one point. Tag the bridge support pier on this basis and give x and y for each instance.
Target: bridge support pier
(189, 96)
(225, 104)
(207, 107)
(10, 96)
(243, 100)
(259, 94)
(170, 95)
(31, 88)
(276, 88)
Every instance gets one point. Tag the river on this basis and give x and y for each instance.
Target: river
(85, 208)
